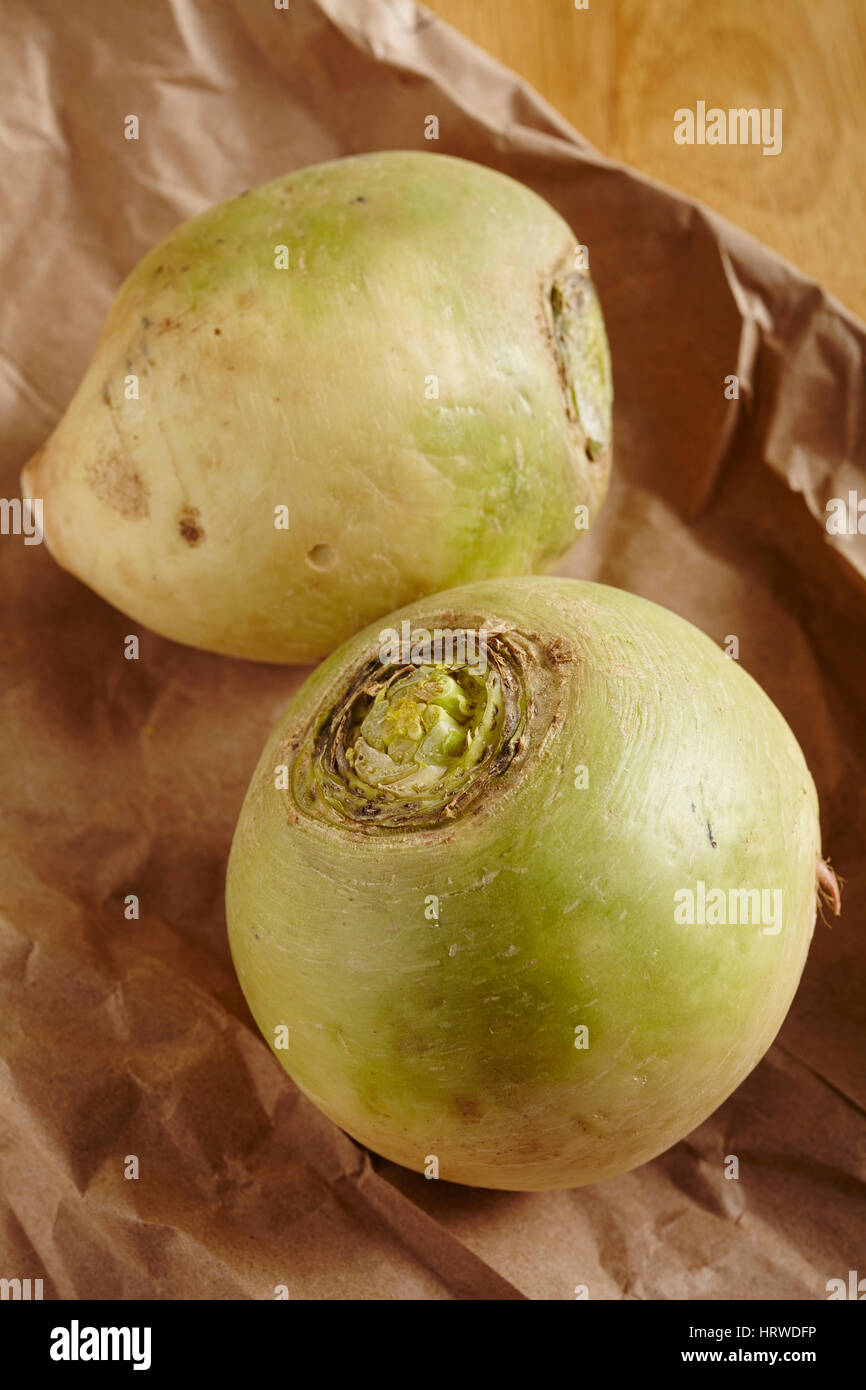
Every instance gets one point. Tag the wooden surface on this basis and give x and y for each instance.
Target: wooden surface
(620, 69)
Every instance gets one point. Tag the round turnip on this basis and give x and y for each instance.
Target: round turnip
(524, 911)
(361, 383)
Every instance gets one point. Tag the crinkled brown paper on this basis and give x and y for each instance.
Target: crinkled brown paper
(132, 1038)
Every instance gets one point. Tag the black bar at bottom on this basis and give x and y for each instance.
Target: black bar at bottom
(257, 1340)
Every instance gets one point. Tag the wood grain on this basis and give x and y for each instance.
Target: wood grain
(620, 69)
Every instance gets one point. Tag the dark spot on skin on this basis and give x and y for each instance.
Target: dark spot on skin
(692, 804)
(467, 1108)
(359, 199)
(244, 194)
(710, 836)
(184, 267)
(159, 270)
(145, 321)
(115, 482)
(217, 331)
(106, 393)
(190, 527)
(182, 379)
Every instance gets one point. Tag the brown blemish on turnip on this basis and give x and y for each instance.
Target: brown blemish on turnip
(190, 527)
(115, 482)
(558, 653)
(551, 307)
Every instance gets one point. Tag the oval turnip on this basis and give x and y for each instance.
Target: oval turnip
(356, 385)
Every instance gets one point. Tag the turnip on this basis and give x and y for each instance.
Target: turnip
(522, 914)
(358, 384)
